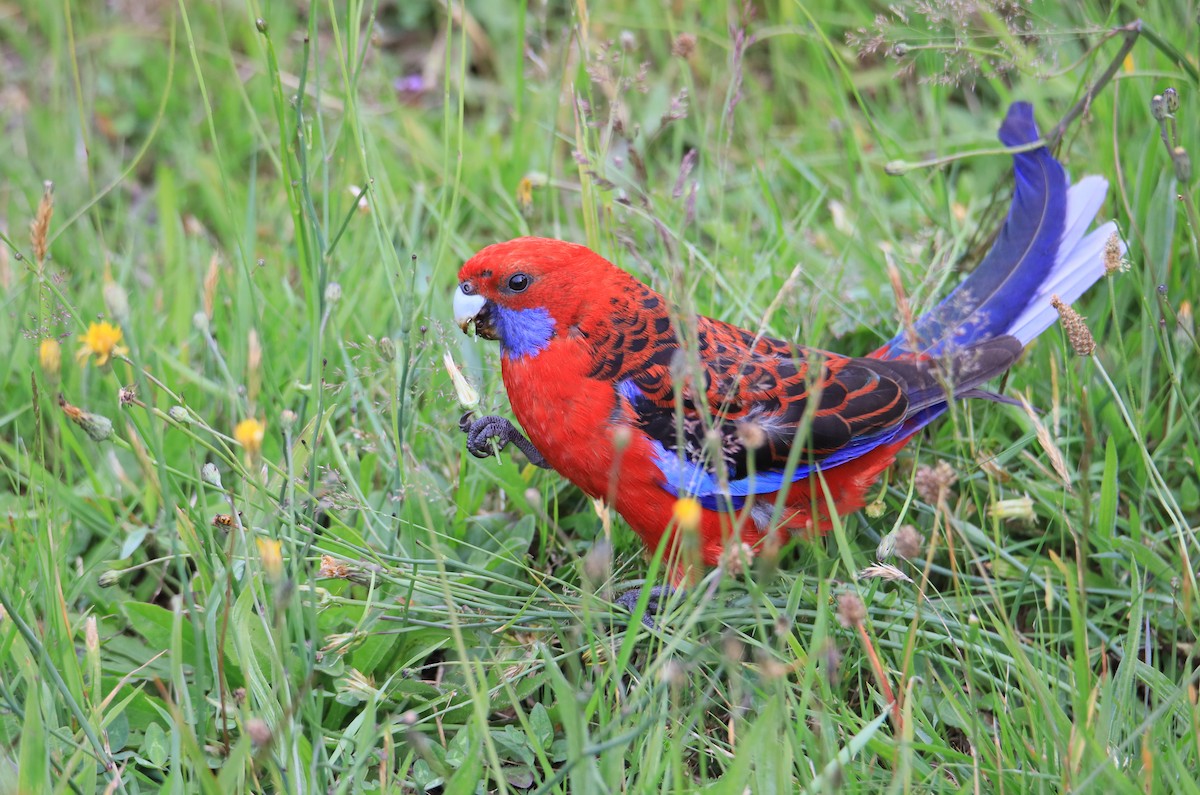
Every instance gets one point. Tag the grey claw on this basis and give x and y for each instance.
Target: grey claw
(658, 598)
(480, 433)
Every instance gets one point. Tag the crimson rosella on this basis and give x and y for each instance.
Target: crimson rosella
(593, 365)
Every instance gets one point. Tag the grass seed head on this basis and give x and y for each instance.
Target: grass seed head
(1078, 333)
(259, 732)
(39, 230)
(851, 611)
(934, 483)
(684, 45)
(910, 544)
(1114, 259)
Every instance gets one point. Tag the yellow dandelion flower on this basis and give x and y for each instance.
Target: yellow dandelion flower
(270, 552)
(525, 195)
(50, 358)
(102, 341)
(249, 434)
(687, 513)
(534, 179)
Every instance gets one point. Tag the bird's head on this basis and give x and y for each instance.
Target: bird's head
(526, 291)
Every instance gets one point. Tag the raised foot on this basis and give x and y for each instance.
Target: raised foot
(658, 598)
(481, 431)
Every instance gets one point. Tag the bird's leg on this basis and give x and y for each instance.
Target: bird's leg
(480, 433)
(658, 598)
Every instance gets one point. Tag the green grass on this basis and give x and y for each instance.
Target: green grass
(458, 637)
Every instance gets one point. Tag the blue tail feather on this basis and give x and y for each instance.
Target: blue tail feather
(987, 303)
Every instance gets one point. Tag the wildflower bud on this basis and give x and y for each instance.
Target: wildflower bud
(333, 293)
(781, 626)
(39, 230)
(597, 564)
(387, 349)
(909, 542)
(1114, 261)
(672, 673)
(1171, 100)
(732, 647)
(108, 579)
(899, 49)
(210, 474)
(1016, 508)
(1183, 164)
(271, 554)
(50, 359)
(96, 426)
(851, 611)
(933, 483)
(117, 301)
(886, 547)
(91, 635)
(684, 45)
(200, 322)
(179, 414)
(1185, 319)
(874, 509)
(259, 732)
(831, 661)
(126, 395)
(287, 419)
(261, 25)
(736, 557)
(1158, 107)
(332, 569)
(533, 497)
(1078, 334)
(628, 41)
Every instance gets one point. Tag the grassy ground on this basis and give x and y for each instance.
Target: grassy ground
(278, 570)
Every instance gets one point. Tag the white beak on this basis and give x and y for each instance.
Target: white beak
(466, 307)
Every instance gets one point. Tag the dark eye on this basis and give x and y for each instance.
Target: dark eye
(518, 282)
(467, 288)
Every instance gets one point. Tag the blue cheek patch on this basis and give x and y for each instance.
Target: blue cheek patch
(523, 332)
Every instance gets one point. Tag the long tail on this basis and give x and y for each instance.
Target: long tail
(1042, 251)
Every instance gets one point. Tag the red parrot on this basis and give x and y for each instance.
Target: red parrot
(596, 371)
